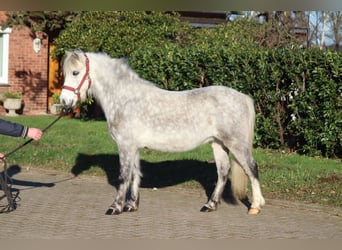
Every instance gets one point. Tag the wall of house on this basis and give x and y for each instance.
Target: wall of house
(28, 70)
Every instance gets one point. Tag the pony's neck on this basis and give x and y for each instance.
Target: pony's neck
(112, 80)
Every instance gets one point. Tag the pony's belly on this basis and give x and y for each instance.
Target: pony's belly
(175, 144)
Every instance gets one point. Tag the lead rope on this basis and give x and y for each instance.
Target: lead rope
(5, 178)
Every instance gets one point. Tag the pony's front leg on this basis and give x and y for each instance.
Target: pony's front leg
(126, 164)
(132, 202)
(119, 202)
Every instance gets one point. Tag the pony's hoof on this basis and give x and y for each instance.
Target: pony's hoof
(129, 209)
(207, 209)
(253, 211)
(112, 211)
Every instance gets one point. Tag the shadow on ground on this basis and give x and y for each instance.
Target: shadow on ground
(16, 169)
(157, 174)
(10, 195)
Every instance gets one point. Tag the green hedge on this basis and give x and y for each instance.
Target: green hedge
(297, 92)
(118, 33)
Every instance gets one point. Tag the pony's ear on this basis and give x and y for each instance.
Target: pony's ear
(73, 54)
(78, 51)
(67, 54)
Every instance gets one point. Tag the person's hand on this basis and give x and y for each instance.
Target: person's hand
(34, 133)
(2, 155)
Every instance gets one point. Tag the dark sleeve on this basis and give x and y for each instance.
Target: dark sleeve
(13, 129)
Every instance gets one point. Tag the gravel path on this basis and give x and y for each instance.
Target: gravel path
(54, 205)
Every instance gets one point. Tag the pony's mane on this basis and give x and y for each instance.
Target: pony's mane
(73, 58)
(120, 66)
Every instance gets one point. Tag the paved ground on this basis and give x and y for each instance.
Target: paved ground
(54, 205)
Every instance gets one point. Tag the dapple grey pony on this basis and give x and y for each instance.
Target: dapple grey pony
(141, 115)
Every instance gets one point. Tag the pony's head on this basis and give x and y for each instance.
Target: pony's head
(76, 78)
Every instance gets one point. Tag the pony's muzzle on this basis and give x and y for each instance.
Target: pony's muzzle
(67, 100)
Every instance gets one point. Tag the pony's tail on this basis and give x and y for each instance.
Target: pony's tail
(238, 180)
(238, 177)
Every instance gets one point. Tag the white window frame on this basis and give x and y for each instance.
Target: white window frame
(5, 54)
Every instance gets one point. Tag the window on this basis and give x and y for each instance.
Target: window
(4, 48)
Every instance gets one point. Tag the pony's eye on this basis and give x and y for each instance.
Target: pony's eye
(75, 73)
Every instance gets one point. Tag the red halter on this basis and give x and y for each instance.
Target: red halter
(86, 76)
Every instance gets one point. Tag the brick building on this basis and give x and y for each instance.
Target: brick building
(24, 67)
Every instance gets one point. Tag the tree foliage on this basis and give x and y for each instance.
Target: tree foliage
(49, 22)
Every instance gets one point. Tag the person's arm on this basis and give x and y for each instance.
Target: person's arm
(17, 130)
(13, 129)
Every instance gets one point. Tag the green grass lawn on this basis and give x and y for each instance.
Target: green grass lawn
(85, 147)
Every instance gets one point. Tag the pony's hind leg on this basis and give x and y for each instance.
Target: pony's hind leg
(247, 162)
(127, 158)
(222, 164)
